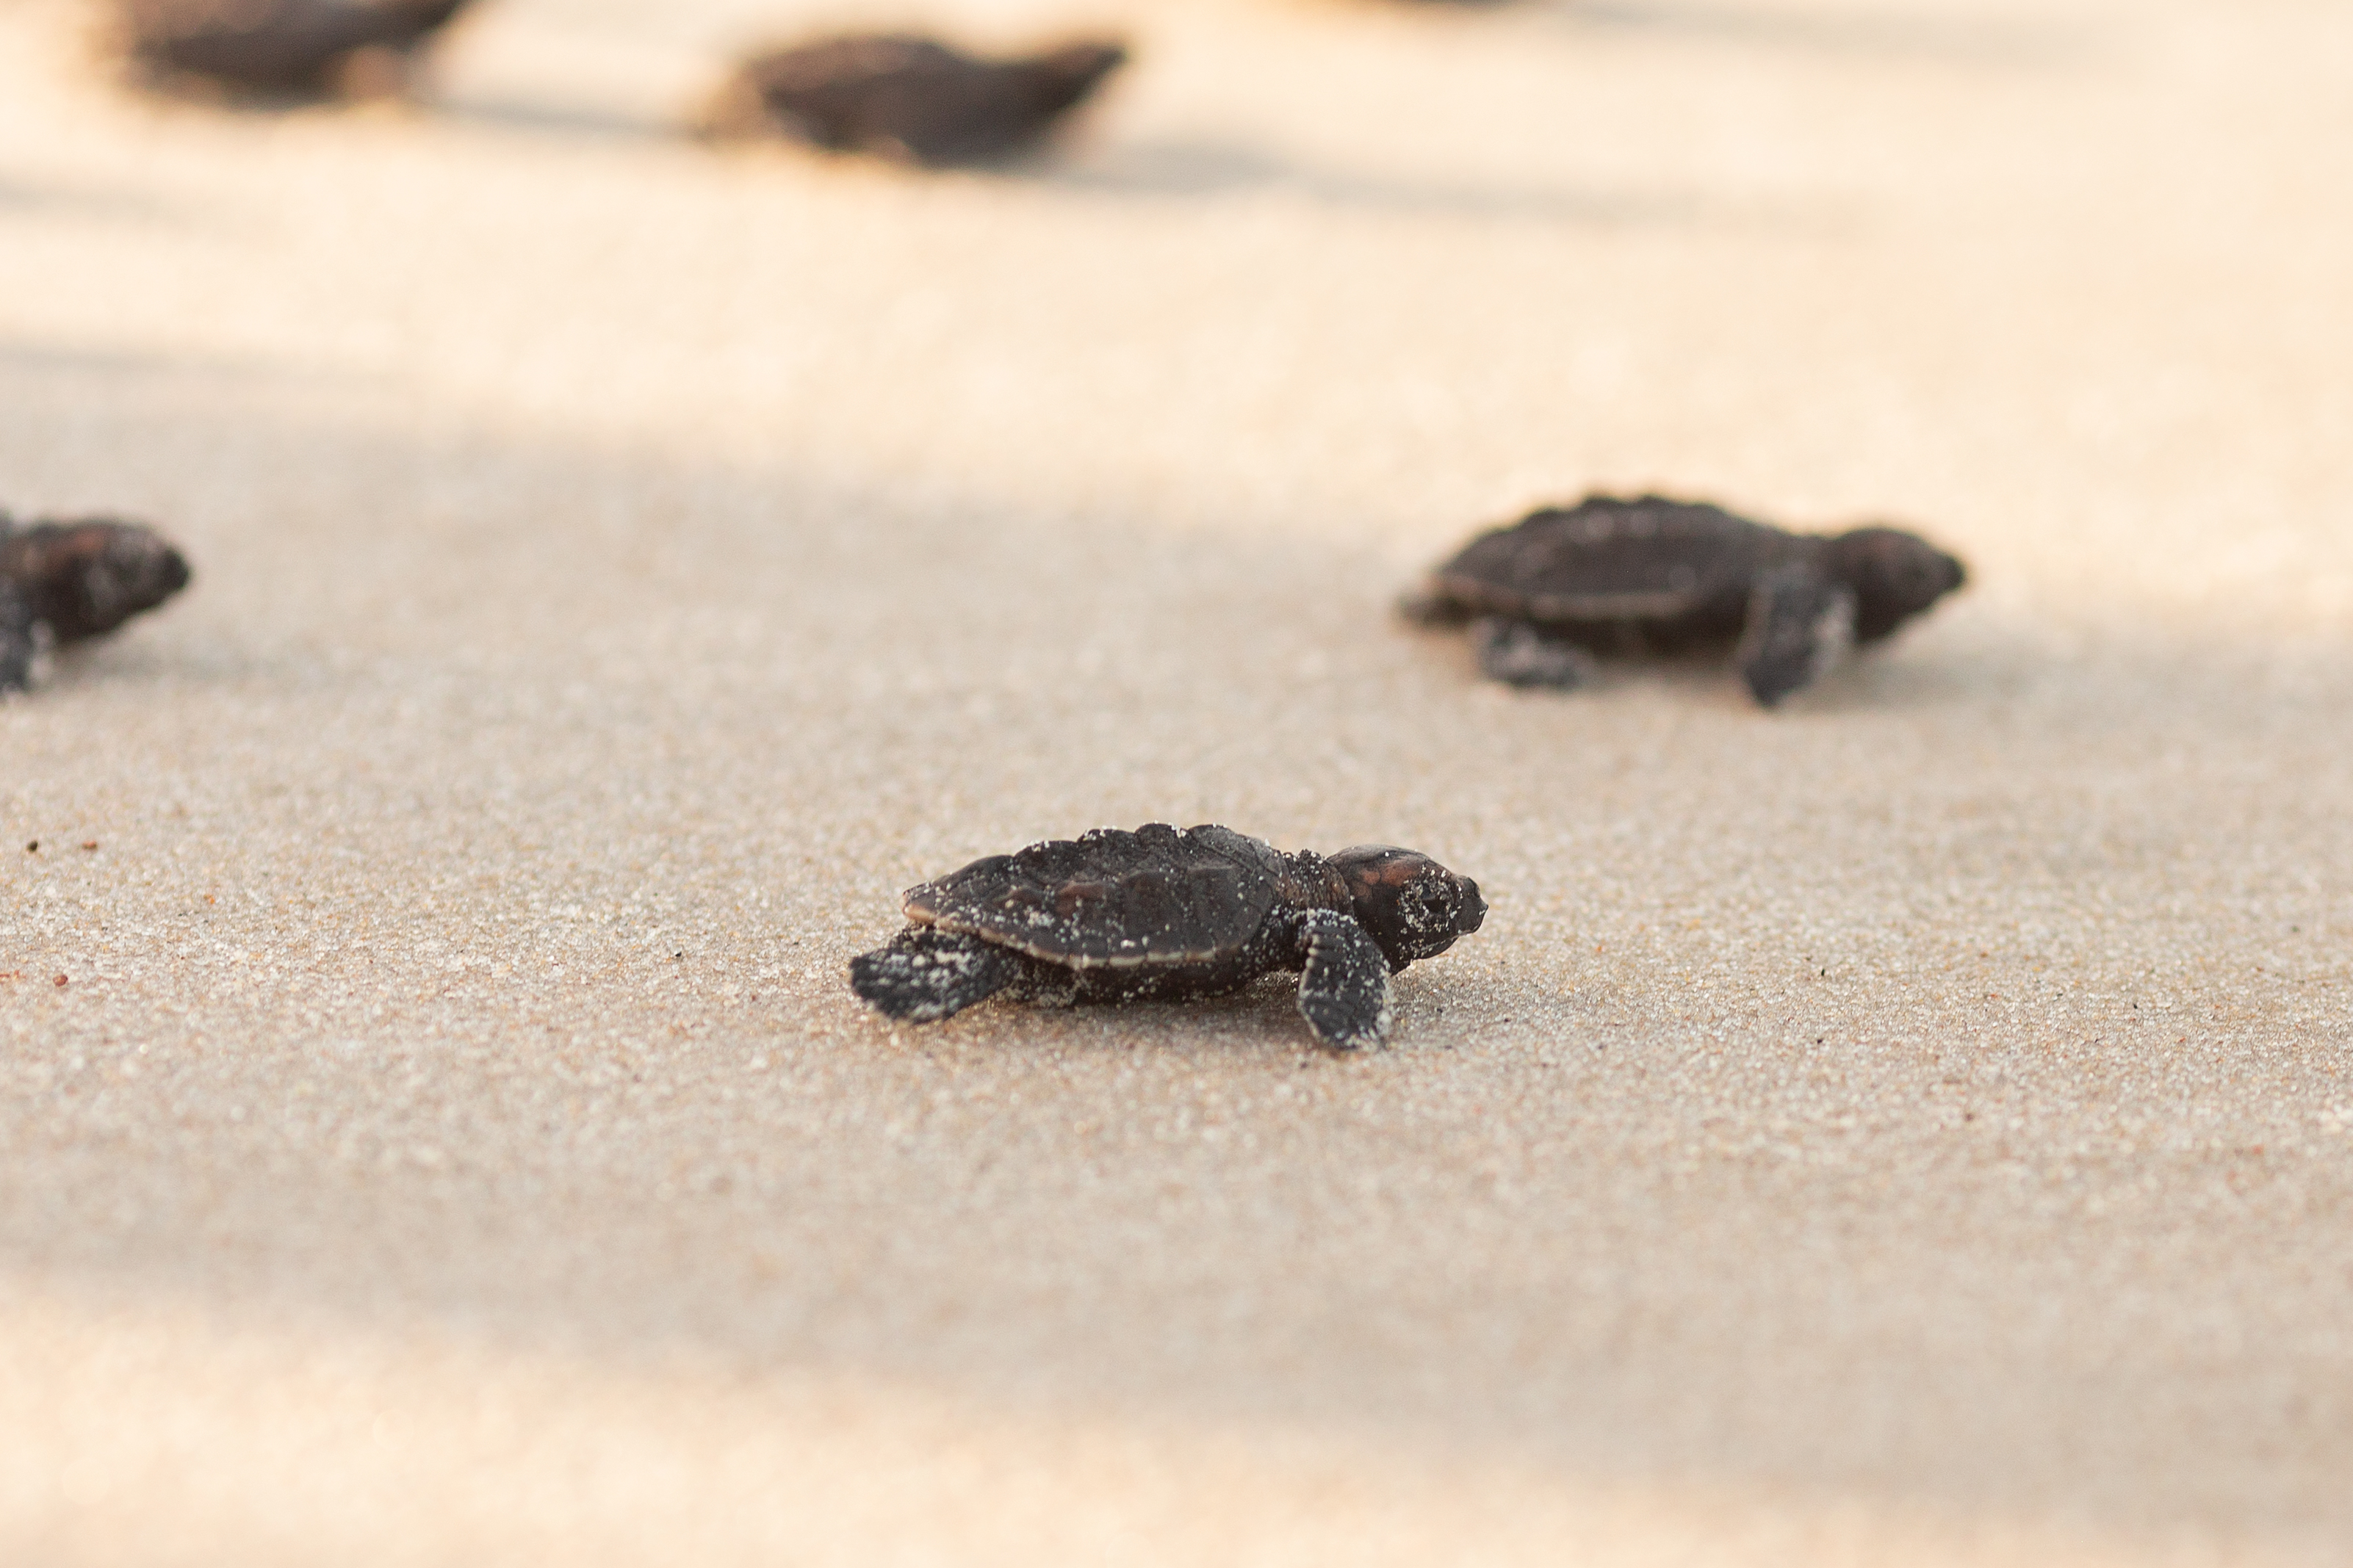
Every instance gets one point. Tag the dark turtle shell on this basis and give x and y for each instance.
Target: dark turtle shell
(909, 97)
(274, 46)
(1609, 559)
(1152, 899)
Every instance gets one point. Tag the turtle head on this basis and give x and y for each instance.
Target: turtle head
(1412, 906)
(88, 577)
(1895, 575)
(138, 568)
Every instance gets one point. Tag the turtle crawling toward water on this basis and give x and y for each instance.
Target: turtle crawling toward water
(1158, 915)
(1658, 576)
(294, 48)
(76, 580)
(908, 98)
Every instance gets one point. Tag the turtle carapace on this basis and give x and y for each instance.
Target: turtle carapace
(77, 580)
(1157, 914)
(908, 98)
(1653, 575)
(296, 47)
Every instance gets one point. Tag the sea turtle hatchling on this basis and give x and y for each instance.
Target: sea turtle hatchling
(1654, 576)
(907, 97)
(303, 47)
(1157, 914)
(77, 580)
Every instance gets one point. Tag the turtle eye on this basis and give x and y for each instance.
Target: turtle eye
(1423, 909)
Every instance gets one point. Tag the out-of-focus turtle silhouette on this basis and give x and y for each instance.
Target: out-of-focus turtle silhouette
(908, 98)
(77, 580)
(282, 48)
(1660, 576)
(1157, 914)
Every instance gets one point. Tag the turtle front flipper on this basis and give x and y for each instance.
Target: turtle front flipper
(1519, 654)
(927, 975)
(1343, 986)
(1800, 624)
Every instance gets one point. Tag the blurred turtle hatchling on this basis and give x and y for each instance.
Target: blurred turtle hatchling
(1161, 915)
(307, 48)
(909, 99)
(1650, 575)
(68, 581)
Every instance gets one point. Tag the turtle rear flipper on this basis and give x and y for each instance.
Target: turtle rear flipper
(1431, 605)
(17, 644)
(1800, 624)
(1519, 654)
(927, 975)
(1344, 987)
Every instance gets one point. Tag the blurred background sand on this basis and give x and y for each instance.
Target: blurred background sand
(1913, 1126)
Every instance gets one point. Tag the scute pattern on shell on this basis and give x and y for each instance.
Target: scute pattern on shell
(1113, 898)
(1608, 558)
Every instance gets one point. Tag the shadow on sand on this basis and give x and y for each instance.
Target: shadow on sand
(1954, 38)
(727, 619)
(1181, 169)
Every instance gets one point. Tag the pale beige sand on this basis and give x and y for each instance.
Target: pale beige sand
(1913, 1128)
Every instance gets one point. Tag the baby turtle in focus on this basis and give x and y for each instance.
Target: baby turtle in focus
(1161, 915)
(1652, 575)
(291, 47)
(76, 580)
(908, 98)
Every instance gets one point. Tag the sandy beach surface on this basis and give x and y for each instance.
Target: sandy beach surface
(1912, 1127)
